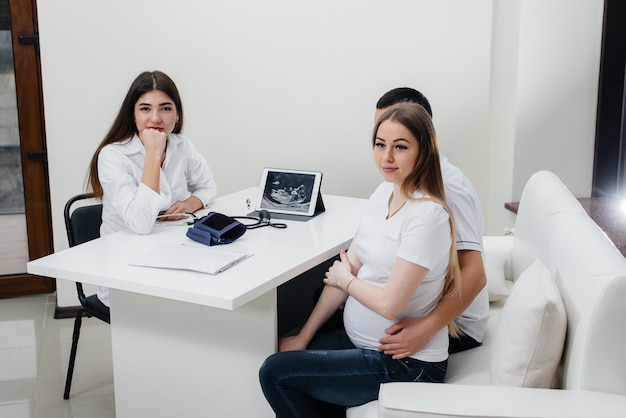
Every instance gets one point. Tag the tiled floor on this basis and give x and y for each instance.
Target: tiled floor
(34, 353)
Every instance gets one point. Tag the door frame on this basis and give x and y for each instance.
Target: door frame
(25, 41)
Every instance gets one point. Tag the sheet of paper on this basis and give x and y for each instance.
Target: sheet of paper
(205, 259)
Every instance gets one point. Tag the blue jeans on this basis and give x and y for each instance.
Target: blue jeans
(333, 371)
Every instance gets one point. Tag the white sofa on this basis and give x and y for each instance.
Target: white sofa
(590, 274)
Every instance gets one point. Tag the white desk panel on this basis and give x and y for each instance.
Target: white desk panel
(279, 255)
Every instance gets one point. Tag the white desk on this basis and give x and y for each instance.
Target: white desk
(190, 344)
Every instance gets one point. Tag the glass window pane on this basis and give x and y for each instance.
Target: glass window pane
(13, 239)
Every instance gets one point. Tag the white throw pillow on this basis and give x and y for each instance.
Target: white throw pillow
(494, 270)
(529, 337)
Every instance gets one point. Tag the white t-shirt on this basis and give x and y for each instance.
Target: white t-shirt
(127, 203)
(468, 217)
(419, 233)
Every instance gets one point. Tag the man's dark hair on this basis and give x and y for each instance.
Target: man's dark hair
(403, 95)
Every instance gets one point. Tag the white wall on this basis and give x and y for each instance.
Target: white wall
(544, 86)
(557, 89)
(503, 88)
(293, 83)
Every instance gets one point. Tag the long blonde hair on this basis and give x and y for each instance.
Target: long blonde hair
(426, 176)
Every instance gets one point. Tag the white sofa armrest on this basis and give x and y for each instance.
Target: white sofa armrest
(501, 245)
(403, 400)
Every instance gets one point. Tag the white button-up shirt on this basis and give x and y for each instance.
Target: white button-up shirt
(130, 204)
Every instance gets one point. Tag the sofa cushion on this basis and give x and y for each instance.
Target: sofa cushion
(530, 333)
(496, 282)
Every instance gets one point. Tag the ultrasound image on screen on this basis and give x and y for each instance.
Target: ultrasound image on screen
(288, 191)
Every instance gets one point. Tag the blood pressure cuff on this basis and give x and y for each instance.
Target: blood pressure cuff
(216, 228)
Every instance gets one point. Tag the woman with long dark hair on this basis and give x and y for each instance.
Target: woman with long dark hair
(144, 167)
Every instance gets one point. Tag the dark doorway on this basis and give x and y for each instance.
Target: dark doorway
(610, 148)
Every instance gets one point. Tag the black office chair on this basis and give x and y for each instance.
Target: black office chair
(83, 224)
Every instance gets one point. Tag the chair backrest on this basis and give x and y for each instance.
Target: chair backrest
(83, 223)
(590, 273)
